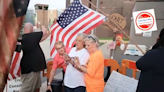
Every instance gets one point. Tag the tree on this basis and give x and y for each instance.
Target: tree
(30, 17)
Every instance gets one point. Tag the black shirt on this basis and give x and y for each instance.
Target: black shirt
(33, 58)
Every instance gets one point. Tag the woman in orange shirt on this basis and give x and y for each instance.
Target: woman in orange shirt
(94, 69)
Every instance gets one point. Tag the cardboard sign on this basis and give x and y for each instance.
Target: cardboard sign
(116, 20)
(14, 85)
(120, 83)
(145, 21)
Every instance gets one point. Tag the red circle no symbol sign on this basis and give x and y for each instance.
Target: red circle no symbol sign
(144, 21)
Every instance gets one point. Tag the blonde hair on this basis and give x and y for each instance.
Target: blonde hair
(59, 43)
(82, 35)
(93, 39)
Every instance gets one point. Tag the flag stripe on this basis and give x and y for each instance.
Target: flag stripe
(53, 24)
(54, 36)
(19, 71)
(83, 26)
(68, 31)
(78, 26)
(70, 25)
(54, 40)
(52, 33)
(77, 18)
(88, 28)
(10, 77)
(57, 37)
(75, 26)
(53, 55)
(16, 69)
(14, 64)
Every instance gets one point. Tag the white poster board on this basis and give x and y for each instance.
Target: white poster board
(120, 83)
(147, 34)
(144, 21)
(14, 85)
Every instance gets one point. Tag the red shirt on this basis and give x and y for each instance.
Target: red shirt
(59, 61)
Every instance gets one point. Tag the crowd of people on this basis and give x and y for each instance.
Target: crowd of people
(83, 64)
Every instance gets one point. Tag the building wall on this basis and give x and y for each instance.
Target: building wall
(67, 3)
(52, 15)
(42, 16)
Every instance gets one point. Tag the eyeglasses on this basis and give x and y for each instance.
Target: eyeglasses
(60, 47)
(91, 38)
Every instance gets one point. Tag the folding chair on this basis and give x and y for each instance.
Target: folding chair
(49, 67)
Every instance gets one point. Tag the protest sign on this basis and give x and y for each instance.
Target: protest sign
(120, 83)
(144, 21)
(14, 85)
(116, 20)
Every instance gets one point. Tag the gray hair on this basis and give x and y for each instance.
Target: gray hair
(93, 39)
(82, 35)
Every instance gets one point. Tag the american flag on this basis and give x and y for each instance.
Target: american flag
(15, 69)
(77, 18)
(11, 20)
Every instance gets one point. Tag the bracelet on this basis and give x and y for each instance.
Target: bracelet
(49, 84)
(73, 63)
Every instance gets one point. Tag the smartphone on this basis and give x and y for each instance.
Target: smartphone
(66, 54)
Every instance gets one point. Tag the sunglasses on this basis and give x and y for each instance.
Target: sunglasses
(92, 38)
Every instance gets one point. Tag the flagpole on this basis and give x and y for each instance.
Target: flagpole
(118, 27)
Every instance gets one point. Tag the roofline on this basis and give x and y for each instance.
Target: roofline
(41, 4)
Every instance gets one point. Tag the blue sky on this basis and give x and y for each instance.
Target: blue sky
(53, 4)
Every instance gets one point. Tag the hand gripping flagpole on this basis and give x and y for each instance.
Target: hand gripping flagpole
(117, 26)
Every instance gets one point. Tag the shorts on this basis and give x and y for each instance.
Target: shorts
(30, 82)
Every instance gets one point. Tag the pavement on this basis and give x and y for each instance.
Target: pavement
(46, 49)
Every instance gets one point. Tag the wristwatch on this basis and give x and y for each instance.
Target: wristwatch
(49, 84)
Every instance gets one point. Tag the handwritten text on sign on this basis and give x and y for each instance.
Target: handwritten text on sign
(14, 85)
(116, 21)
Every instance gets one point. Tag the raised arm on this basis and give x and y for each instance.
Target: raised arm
(46, 33)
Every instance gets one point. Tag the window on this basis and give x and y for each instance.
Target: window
(45, 7)
(38, 7)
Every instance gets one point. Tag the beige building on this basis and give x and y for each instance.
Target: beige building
(41, 14)
(52, 15)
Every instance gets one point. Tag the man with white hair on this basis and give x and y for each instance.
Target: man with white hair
(33, 60)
